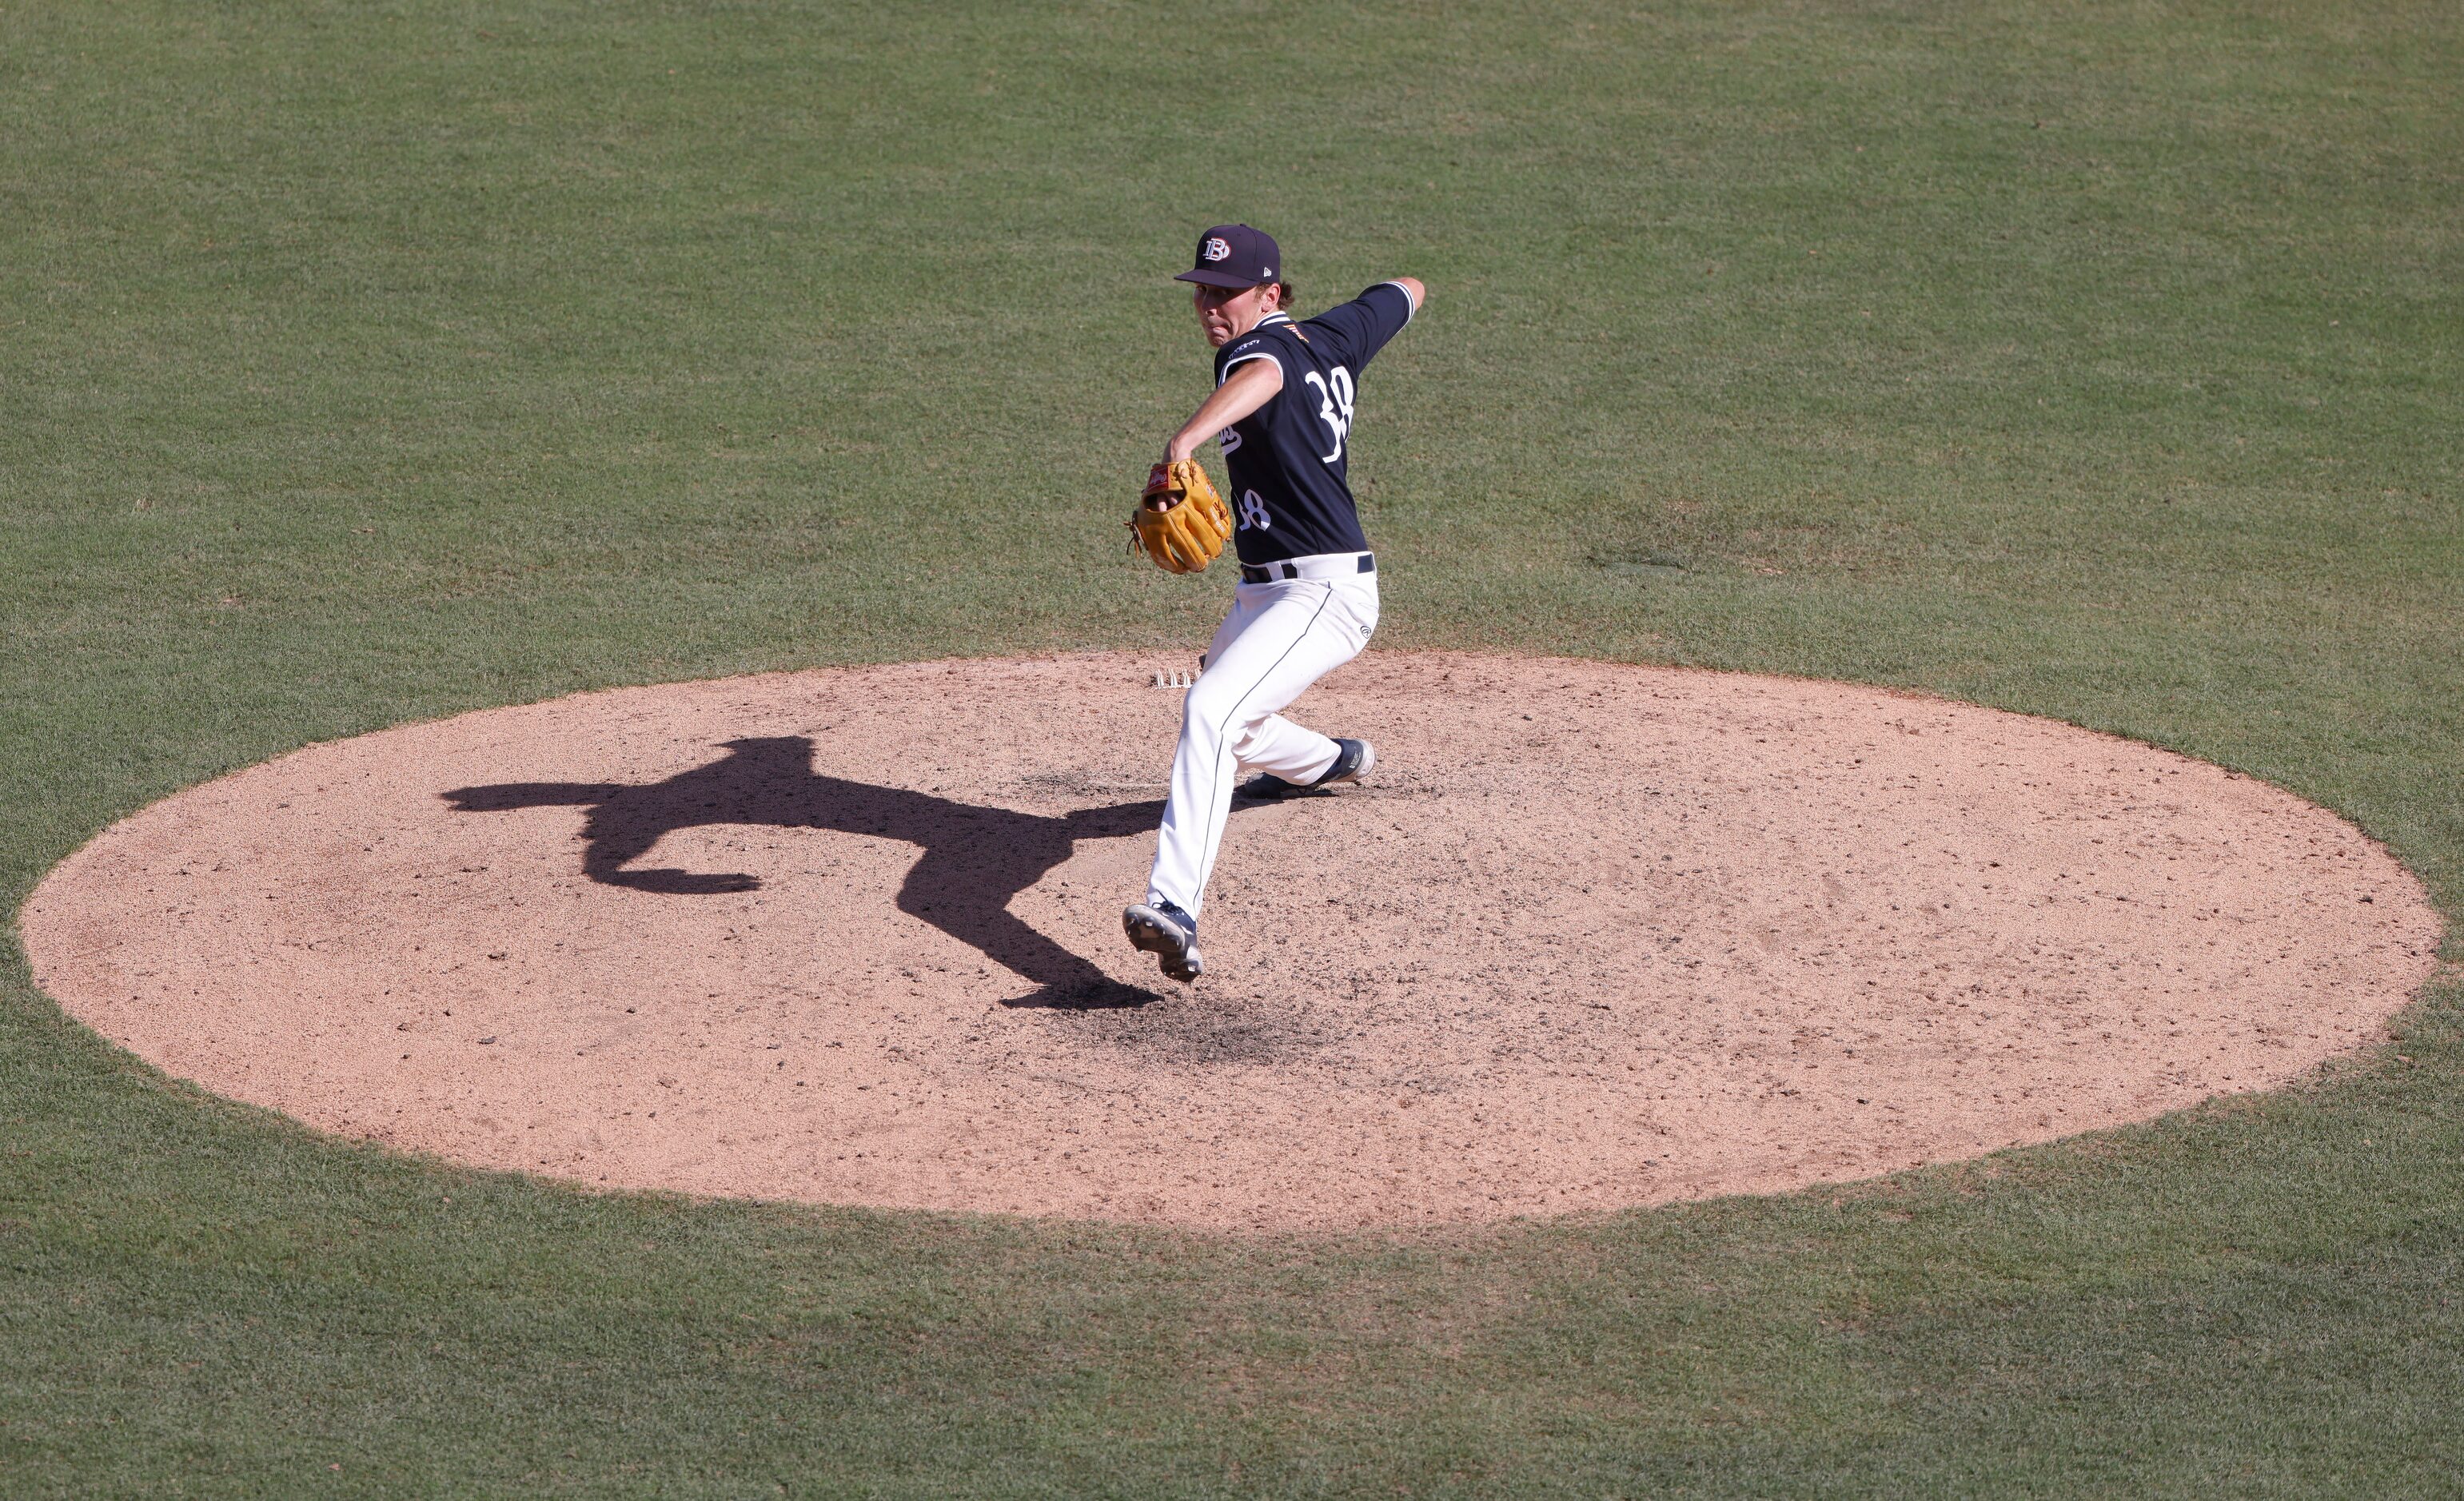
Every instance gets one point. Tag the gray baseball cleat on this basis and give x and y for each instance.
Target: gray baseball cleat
(1352, 761)
(1169, 933)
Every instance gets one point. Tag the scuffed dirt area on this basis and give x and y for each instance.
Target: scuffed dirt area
(1596, 936)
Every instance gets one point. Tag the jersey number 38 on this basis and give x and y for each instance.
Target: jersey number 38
(1333, 406)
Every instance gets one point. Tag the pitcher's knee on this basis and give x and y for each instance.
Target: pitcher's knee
(1248, 737)
(1216, 709)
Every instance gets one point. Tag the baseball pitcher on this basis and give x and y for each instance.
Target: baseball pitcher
(1283, 408)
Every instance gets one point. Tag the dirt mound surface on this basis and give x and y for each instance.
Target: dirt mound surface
(1595, 936)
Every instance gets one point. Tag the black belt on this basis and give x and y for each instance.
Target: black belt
(1268, 572)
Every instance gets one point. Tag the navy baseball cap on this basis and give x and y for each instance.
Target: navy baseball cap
(1235, 256)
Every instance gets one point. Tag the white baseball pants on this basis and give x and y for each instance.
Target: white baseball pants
(1280, 638)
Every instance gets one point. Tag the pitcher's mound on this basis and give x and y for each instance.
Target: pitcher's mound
(1594, 936)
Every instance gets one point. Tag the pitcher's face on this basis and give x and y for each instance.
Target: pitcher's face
(1225, 314)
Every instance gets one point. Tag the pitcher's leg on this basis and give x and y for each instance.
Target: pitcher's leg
(1178, 851)
(1292, 642)
(1293, 756)
(1280, 748)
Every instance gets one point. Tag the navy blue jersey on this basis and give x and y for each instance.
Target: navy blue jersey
(1287, 459)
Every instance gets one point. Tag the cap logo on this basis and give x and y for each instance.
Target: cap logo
(1214, 249)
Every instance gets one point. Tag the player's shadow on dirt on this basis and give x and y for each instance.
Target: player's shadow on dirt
(975, 859)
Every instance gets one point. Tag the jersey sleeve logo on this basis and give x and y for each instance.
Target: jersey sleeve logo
(1241, 354)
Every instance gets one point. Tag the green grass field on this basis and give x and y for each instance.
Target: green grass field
(362, 363)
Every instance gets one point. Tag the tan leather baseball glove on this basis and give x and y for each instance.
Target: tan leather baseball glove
(1181, 521)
